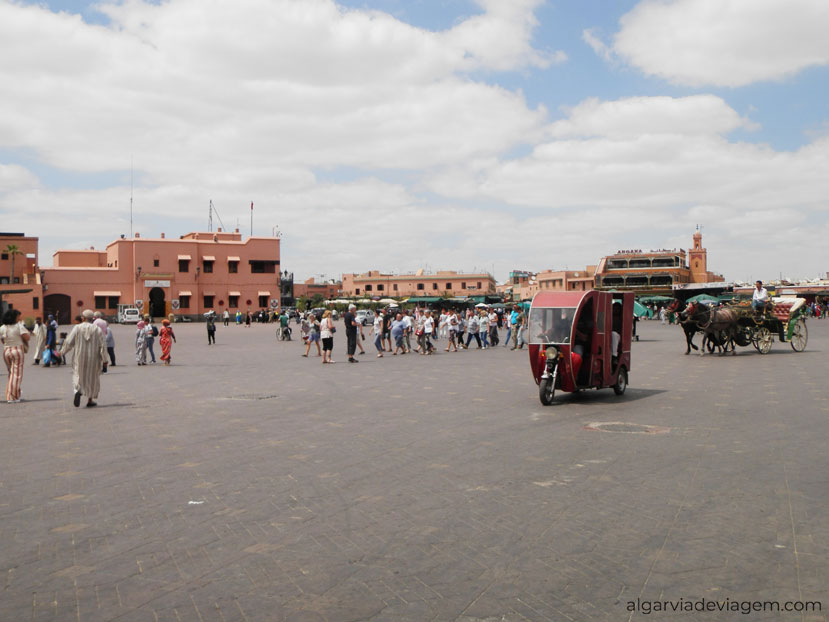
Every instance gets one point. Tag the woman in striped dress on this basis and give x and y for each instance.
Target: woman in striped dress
(15, 339)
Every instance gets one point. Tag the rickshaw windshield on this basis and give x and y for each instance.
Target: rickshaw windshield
(551, 324)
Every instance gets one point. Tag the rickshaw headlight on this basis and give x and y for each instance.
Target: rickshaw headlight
(551, 352)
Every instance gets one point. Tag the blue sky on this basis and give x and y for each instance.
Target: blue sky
(383, 124)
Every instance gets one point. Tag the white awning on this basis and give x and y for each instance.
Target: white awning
(208, 293)
(264, 293)
(187, 257)
(233, 259)
(209, 258)
(106, 293)
(185, 293)
(234, 294)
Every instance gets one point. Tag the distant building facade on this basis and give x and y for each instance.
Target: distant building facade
(187, 276)
(310, 288)
(20, 281)
(523, 285)
(656, 270)
(442, 283)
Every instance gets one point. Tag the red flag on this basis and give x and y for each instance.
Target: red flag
(251, 206)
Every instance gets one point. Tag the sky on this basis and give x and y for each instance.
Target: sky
(438, 134)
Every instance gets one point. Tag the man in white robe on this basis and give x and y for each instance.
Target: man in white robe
(90, 356)
(38, 340)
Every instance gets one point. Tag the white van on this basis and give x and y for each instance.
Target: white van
(129, 315)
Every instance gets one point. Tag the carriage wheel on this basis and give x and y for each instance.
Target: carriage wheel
(546, 391)
(763, 340)
(621, 382)
(800, 336)
(743, 336)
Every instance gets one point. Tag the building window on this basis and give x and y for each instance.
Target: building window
(395, 286)
(420, 286)
(357, 291)
(184, 265)
(434, 286)
(263, 302)
(35, 303)
(112, 302)
(208, 267)
(479, 285)
(4, 256)
(100, 302)
(380, 287)
(233, 267)
(262, 267)
(17, 279)
(155, 263)
(368, 287)
(233, 302)
(448, 287)
(4, 280)
(463, 285)
(208, 302)
(184, 302)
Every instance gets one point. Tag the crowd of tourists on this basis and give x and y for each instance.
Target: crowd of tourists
(402, 331)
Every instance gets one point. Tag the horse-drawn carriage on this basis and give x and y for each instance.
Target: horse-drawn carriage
(741, 325)
(784, 317)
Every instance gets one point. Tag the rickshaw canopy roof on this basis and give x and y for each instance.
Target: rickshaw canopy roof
(558, 299)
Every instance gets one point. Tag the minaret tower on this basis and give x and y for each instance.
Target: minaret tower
(698, 260)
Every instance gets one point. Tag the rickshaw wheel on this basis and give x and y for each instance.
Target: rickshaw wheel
(621, 382)
(546, 391)
(800, 336)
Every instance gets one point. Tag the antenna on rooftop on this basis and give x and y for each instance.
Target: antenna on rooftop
(210, 217)
(131, 186)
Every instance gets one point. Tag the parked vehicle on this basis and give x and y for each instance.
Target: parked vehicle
(365, 317)
(129, 315)
(580, 340)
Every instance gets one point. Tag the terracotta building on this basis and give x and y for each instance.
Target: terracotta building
(377, 284)
(20, 282)
(187, 276)
(656, 270)
(523, 285)
(310, 288)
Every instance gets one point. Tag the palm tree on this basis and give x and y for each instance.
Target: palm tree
(12, 250)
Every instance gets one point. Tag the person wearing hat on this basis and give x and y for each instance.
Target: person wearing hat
(90, 356)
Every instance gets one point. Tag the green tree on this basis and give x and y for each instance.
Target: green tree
(12, 250)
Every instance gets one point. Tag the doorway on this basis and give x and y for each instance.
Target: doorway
(59, 305)
(158, 307)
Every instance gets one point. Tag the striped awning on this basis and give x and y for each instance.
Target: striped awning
(185, 293)
(233, 259)
(209, 258)
(187, 257)
(234, 293)
(106, 293)
(264, 293)
(208, 293)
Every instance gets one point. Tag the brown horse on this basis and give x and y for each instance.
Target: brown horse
(720, 329)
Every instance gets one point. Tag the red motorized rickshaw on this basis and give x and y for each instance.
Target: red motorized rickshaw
(580, 340)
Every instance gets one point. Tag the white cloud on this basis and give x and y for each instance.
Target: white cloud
(591, 38)
(724, 42)
(15, 177)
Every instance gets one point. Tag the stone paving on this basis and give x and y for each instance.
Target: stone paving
(247, 483)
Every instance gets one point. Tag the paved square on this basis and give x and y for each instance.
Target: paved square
(245, 482)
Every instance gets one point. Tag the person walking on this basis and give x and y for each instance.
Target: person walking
(103, 326)
(472, 327)
(167, 338)
(247, 319)
(313, 334)
(110, 344)
(327, 336)
(517, 328)
(39, 337)
(89, 346)
(350, 320)
(377, 327)
(226, 317)
(398, 327)
(15, 340)
(211, 328)
(493, 328)
(407, 333)
(51, 338)
(483, 328)
(141, 343)
(149, 337)
(452, 331)
(425, 333)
